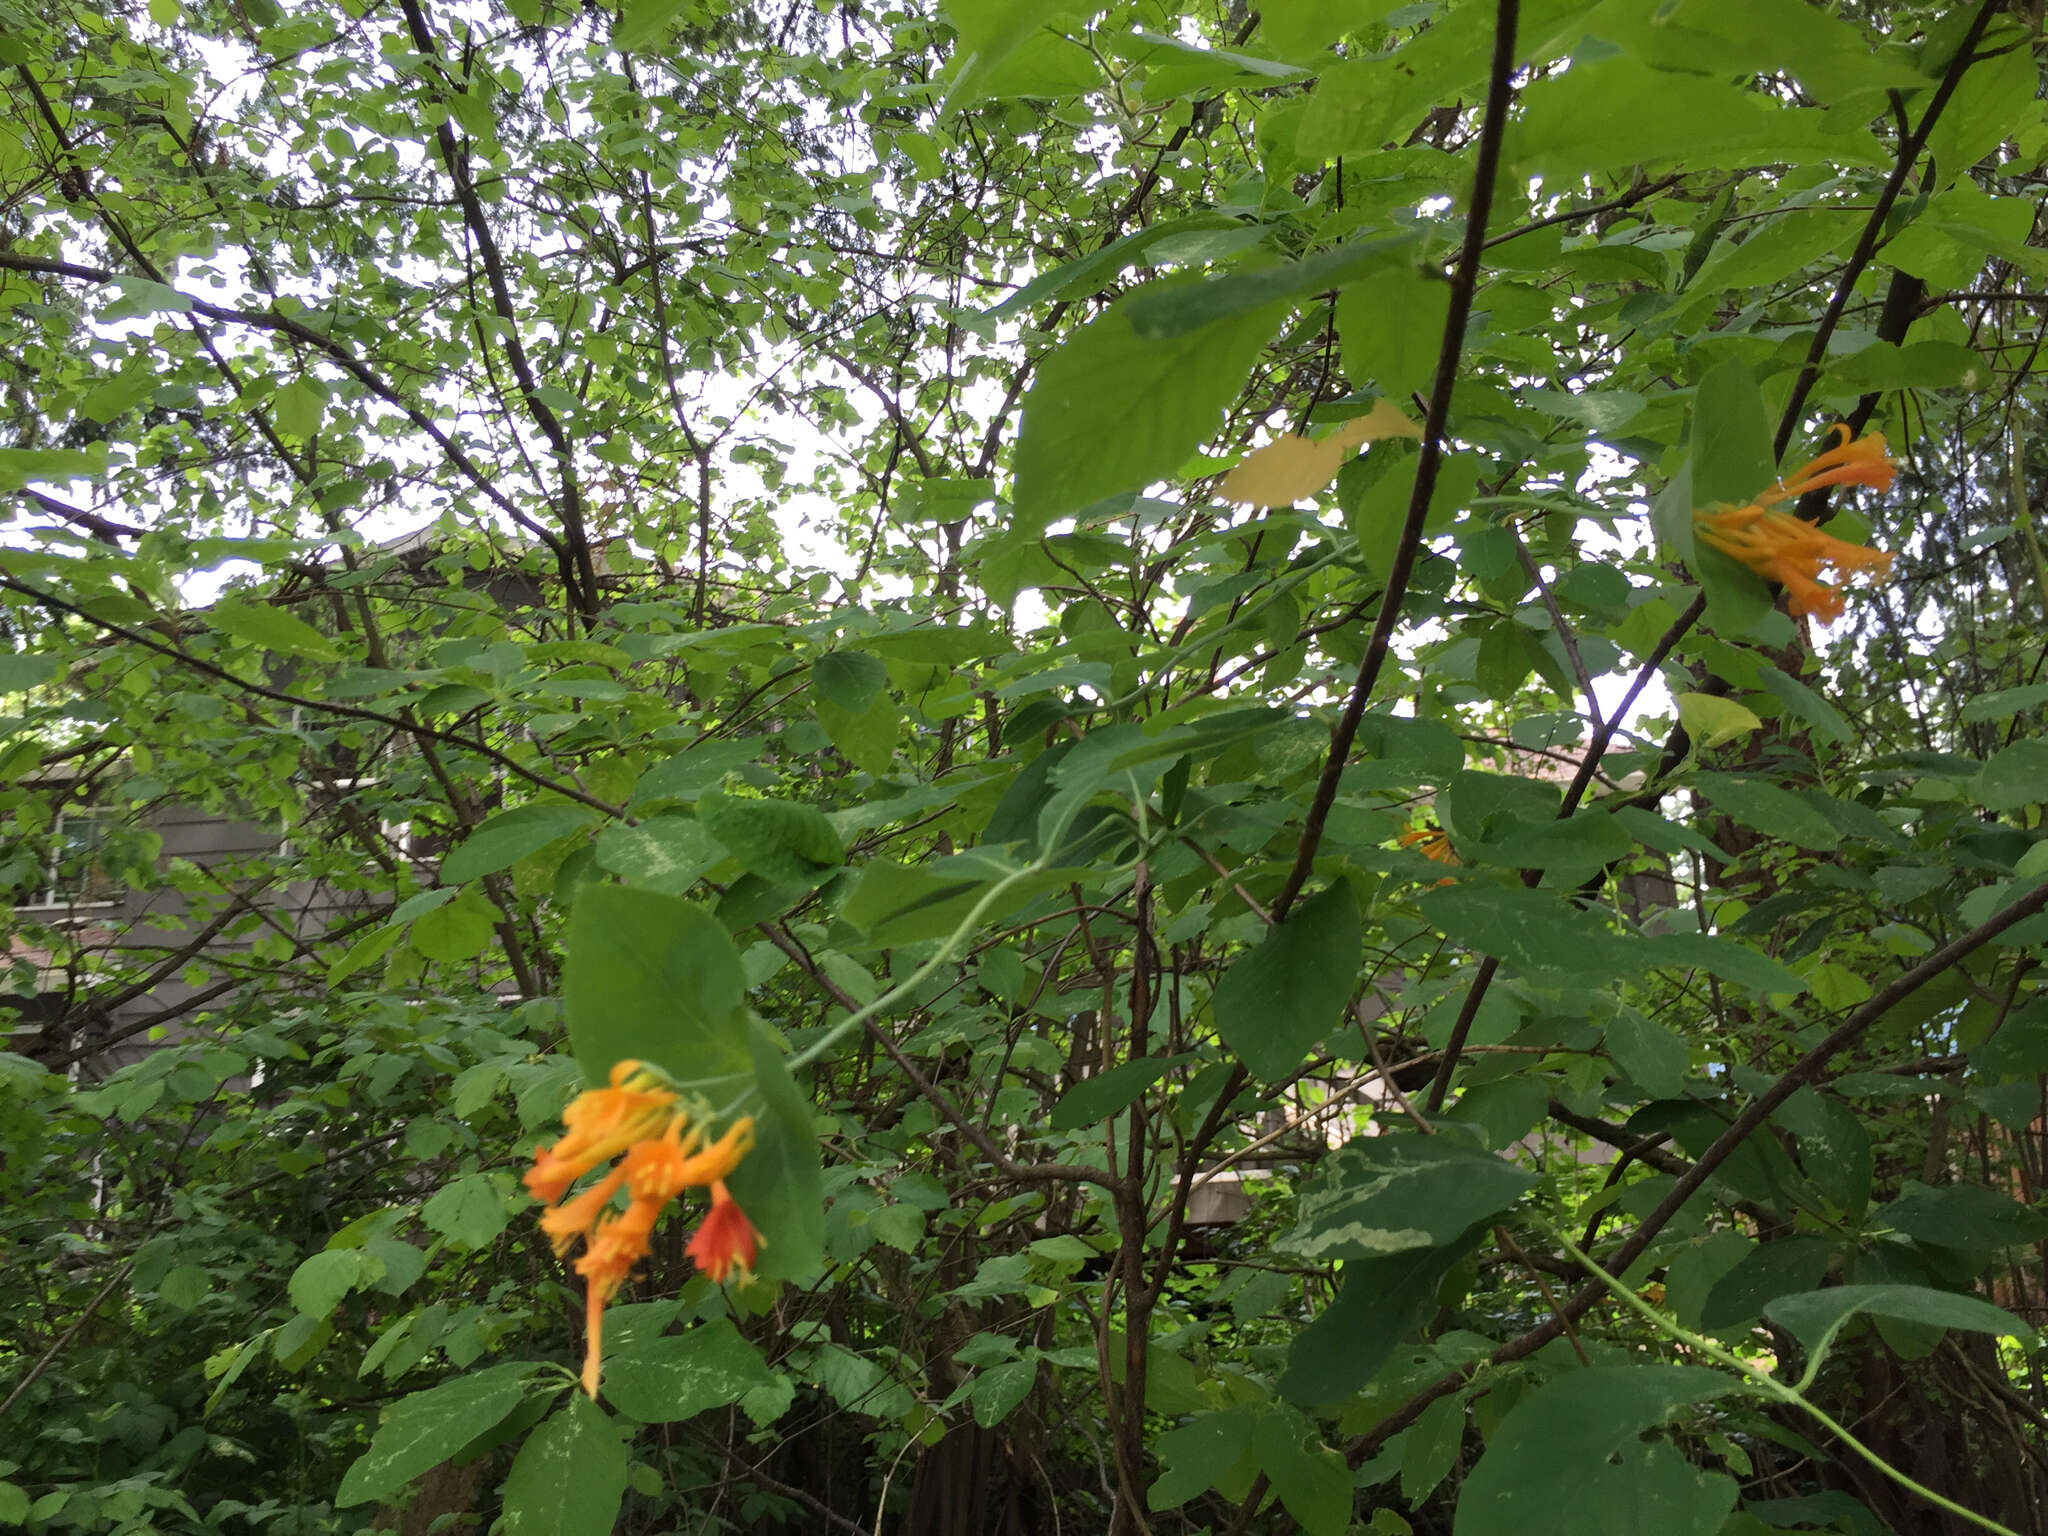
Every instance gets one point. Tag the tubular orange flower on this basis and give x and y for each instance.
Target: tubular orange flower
(1431, 842)
(638, 1117)
(725, 1240)
(1791, 551)
(663, 1168)
(565, 1223)
(602, 1123)
(1862, 461)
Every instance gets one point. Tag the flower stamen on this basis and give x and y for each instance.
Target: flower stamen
(1789, 550)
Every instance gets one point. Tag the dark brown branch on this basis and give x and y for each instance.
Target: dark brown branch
(1806, 1070)
(1464, 280)
(1873, 227)
(511, 765)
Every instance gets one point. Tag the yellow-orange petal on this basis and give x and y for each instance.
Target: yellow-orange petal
(1431, 842)
(663, 1169)
(567, 1222)
(1862, 461)
(600, 1124)
(593, 1337)
(1790, 551)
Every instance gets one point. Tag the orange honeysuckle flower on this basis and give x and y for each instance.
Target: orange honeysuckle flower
(1861, 461)
(1431, 842)
(567, 1222)
(725, 1240)
(663, 1168)
(638, 1117)
(1791, 551)
(602, 1123)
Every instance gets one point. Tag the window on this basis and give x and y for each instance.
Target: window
(71, 874)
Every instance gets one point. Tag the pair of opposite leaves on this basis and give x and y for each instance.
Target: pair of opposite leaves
(1292, 467)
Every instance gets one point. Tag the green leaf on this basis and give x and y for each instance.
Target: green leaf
(670, 1377)
(1360, 105)
(569, 1479)
(455, 932)
(688, 774)
(1768, 809)
(318, 1285)
(1170, 311)
(1809, 706)
(851, 680)
(1654, 1058)
(1731, 437)
(1816, 1316)
(469, 1211)
(1547, 1466)
(2005, 703)
(510, 836)
(298, 407)
(1766, 1272)
(1431, 1448)
(998, 1389)
(662, 853)
(1380, 1195)
(1534, 931)
(1997, 91)
(780, 1185)
(781, 841)
(642, 21)
(1311, 1479)
(145, 296)
(905, 904)
(19, 466)
(990, 32)
(366, 951)
(1109, 411)
(1277, 1001)
(2016, 776)
(1382, 1304)
(1727, 958)
(1095, 1099)
(653, 978)
(1882, 366)
(422, 1431)
(23, 670)
(1574, 848)
(1713, 721)
(271, 627)
(185, 1287)
(867, 739)
(1199, 238)
(1962, 1216)
(1393, 328)
(1205, 1453)
(1605, 114)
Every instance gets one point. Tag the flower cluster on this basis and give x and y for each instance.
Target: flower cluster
(1791, 551)
(1433, 843)
(663, 1155)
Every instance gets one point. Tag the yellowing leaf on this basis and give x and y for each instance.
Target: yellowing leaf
(1383, 420)
(1284, 471)
(1711, 721)
(1292, 467)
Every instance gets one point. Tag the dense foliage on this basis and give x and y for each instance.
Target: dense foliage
(1171, 649)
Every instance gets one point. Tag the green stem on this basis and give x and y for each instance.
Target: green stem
(1763, 1382)
(938, 957)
